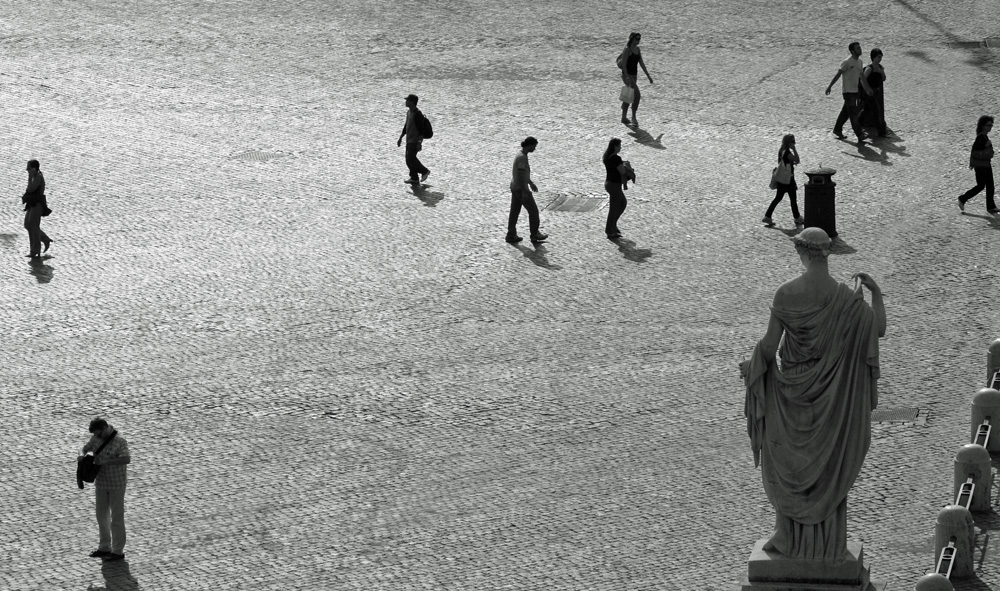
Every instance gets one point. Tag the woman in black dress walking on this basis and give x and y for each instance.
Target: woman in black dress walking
(874, 73)
(629, 61)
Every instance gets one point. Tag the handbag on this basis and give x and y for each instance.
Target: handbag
(46, 212)
(86, 470)
(627, 95)
(781, 174)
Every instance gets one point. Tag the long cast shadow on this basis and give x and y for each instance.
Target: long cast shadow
(117, 577)
(645, 138)
(628, 249)
(43, 273)
(537, 255)
(429, 198)
(978, 57)
(992, 219)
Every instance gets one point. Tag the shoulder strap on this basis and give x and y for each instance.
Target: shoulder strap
(106, 441)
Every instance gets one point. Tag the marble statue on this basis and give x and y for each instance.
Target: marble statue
(809, 420)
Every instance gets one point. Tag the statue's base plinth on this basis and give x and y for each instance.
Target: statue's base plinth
(773, 571)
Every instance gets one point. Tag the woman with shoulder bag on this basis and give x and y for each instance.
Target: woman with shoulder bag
(619, 173)
(35, 207)
(629, 61)
(981, 161)
(784, 179)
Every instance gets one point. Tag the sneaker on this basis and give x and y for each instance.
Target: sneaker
(799, 221)
(539, 237)
(410, 181)
(99, 553)
(113, 556)
(626, 121)
(961, 205)
(424, 176)
(767, 221)
(513, 239)
(839, 134)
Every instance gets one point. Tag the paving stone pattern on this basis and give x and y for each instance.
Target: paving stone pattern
(331, 380)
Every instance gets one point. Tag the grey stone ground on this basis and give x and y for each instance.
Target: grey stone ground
(330, 382)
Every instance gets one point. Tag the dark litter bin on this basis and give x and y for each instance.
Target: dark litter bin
(819, 201)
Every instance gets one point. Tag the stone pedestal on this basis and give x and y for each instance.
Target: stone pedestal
(773, 571)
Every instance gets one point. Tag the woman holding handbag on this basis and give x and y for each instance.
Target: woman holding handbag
(981, 161)
(783, 180)
(629, 62)
(619, 173)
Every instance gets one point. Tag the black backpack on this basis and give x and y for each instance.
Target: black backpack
(424, 126)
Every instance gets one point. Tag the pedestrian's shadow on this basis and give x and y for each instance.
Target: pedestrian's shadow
(627, 248)
(992, 219)
(8, 240)
(116, 577)
(43, 273)
(879, 149)
(429, 198)
(537, 255)
(643, 137)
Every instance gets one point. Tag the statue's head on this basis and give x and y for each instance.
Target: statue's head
(812, 242)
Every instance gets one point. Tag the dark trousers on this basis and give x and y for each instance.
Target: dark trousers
(416, 168)
(849, 111)
(984, 180)
(616, 207)
(790, 189)
(32, 223)
(519, 199)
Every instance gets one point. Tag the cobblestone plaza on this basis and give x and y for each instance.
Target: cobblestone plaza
(331, 380)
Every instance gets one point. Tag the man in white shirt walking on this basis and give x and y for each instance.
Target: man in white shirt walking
(850, 70)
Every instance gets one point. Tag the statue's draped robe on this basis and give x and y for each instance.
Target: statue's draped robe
(810, 422)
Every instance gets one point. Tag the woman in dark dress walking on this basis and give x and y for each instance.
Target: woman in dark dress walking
(980, 160)
(629, 61)
(874, 73)
(788, 157)
(616, 181)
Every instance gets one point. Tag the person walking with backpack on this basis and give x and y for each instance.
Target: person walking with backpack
(35, 207)
(415, 124)
(784, 180)
(629, 61)
(980, 160)
(111, 456)
(619, 173)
